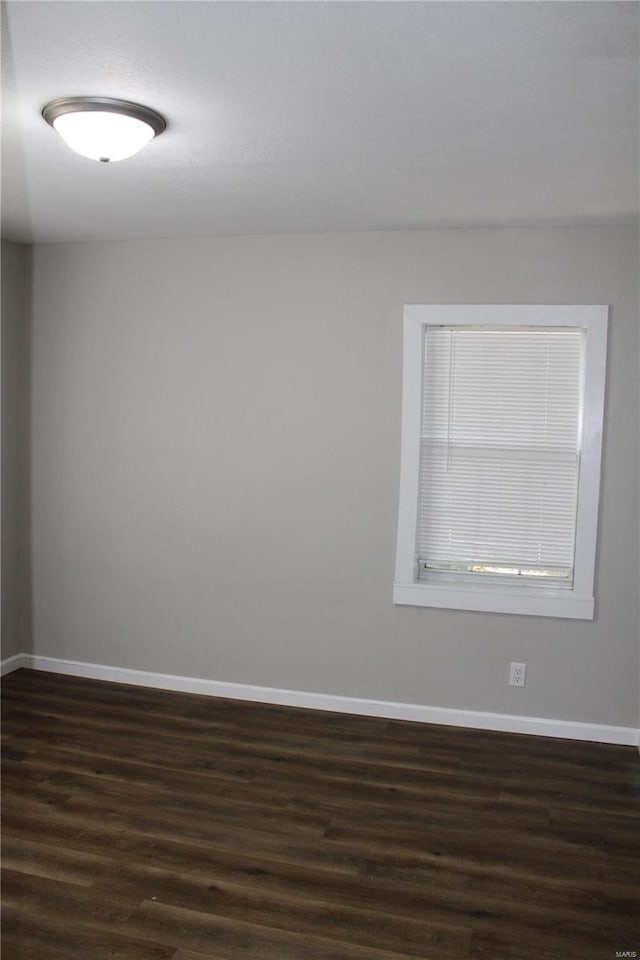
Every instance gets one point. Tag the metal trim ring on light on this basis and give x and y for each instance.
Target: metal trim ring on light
(56, 108)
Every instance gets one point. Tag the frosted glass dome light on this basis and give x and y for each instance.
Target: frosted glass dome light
(101, 128)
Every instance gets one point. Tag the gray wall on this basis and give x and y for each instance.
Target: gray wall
(216, 457)
(16, 293)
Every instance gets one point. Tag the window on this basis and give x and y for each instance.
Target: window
(500, 470)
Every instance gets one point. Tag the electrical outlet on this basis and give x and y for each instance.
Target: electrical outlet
(517, 674)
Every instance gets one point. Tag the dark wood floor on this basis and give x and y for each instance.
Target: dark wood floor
(146, 825)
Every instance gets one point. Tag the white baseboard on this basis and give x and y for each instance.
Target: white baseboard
(12, 663)
(539, 726)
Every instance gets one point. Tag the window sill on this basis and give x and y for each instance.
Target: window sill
(527, 602)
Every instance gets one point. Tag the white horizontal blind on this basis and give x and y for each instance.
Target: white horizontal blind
(499, 455)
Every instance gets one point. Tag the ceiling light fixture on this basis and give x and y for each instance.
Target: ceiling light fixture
(102, 128)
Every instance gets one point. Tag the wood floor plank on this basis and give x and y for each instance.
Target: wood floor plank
(33, 937)
(57, 898)
(241, 940)
(141, 824)
(298, 914)
(53, 862)
(360, 748)
(506, 851)
(190, 955)
(255, 760)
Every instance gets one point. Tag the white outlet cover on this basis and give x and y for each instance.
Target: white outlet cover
(517, 674)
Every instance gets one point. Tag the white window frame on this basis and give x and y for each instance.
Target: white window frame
(465, 592)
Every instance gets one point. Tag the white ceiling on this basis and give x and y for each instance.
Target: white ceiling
(313, 116)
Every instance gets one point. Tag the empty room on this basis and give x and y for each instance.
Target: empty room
(320, 480)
